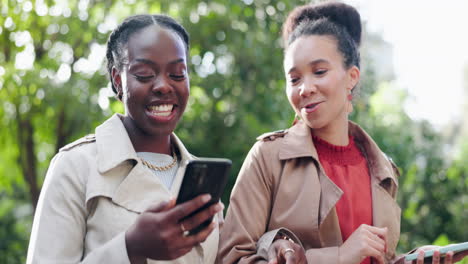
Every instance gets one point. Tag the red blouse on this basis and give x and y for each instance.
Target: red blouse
(347, 168)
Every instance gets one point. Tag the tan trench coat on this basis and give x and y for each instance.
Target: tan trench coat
(282, 184)
(94, 190)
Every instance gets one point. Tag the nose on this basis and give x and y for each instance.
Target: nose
(161, 85)
(307, 87)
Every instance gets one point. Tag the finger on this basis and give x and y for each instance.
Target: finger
(182, 210)
(448, 258)
(162, 206)
(380, 231)
(290, 257)
(374, 246)
(420, 259)
(221, 216)
(273, 261)
(373, 253)
(199, 218)
(272, 253)
(190, 241)
(376, 242)
(377, 247)
(436, 257)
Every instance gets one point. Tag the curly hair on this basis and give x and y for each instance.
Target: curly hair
(338, 20)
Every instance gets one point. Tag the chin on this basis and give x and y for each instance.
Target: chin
(314, 124)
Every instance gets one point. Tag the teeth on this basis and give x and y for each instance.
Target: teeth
(162, 114)
(161, 110)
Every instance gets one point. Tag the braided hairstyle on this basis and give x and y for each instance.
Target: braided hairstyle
(118, 39)
(338, 20)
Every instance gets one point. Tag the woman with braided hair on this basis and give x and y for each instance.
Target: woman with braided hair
(321, 191)
(109, 197)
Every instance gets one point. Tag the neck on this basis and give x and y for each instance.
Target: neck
(335, 134)
(143, 142)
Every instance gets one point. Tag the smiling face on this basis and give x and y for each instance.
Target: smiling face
(153, 82)
(318, 84)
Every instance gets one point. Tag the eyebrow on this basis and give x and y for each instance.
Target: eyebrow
(150, 62)
(312, 63)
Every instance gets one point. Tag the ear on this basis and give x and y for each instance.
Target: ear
(354, 76)
(117, 82)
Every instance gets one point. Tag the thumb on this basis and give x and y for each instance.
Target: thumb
(162, 206)
(273, 261)
(272, 256)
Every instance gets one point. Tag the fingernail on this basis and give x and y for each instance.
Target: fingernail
(206, 198)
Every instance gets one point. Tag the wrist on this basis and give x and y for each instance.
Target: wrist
(341, 256)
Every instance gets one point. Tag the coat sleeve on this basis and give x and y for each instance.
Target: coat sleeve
(245, 237)
(59, 226)
(249, 211)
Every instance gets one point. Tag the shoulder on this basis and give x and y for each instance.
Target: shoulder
(77, 156)
(272, 136)
(70, 167)
(91, 138)
(268, 145)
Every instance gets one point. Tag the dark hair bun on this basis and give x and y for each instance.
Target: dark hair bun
(339, 13)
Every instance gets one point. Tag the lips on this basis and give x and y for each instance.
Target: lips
(310, 108)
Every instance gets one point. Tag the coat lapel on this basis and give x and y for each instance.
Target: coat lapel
(140, 190)
(384, 187)
(385, 211)
(298, 143)
(123, 178)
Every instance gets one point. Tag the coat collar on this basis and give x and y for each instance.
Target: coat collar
(122, 177)
(298, 143)
(114, 145)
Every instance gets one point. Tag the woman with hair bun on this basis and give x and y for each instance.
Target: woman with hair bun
(321, 191)
(110, 197)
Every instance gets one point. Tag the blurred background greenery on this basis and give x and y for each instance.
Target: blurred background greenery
(54, 89)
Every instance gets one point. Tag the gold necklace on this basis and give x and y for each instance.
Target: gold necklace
(161, 168)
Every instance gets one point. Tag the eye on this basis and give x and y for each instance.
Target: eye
(320, 72)
(177, 77)
(143, 78)
(294, 80)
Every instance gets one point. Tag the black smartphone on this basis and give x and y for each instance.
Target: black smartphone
(204, 176)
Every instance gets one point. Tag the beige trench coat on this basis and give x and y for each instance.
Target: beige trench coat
(282, 184)
(93, 191)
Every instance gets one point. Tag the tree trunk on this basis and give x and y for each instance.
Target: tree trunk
(61, 133)
(27, 156)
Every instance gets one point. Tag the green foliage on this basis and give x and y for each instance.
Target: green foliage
(433, 191)
(60, 93)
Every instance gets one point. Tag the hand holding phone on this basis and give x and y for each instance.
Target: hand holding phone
(455, 248)
(204, 175)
